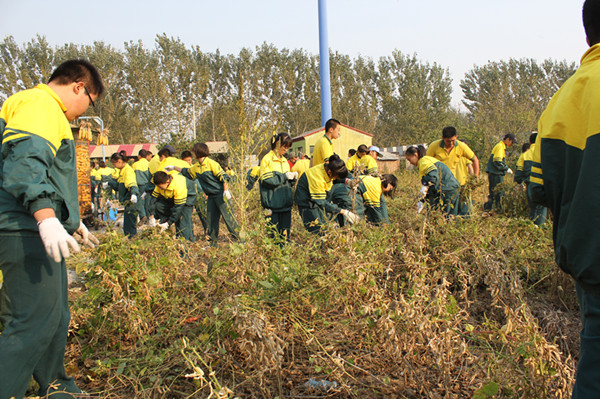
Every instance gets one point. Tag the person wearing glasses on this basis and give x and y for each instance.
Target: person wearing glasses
(39, 213)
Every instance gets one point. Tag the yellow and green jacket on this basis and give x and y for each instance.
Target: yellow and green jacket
(454, 158)
(106, 174)
(564, 172)
(181, 192)
(497, 163)
(437, 176)
(127, 184)
(301, 166)
(210, 175)
(323, 150)
(275, 189)
(95, 175)
(367, 164)
(252, 177)
(37, 161)
(374, 203)
(312, 190)
(142, 173)
(524, 166)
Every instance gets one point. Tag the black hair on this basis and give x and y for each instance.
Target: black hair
(79, 71)
(161, 177)
(337, 167)
(363, 149)
(165, 152)
(142, 153)
(201, 150)
(420, 151)
(92, 163)
(351, 152)
(102, 164)
(591, 21)
(448, 132)
(532, 138)
(282, 140)
(119, 156)
(186, 154)
(331, 124)
(387, 180)
(525, 147)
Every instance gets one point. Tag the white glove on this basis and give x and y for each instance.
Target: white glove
(163, 226)
(84, 237)
(144, 194)
(133, 199)
(291, 175)
(105, 185)
(509, 171)
(351, 217)
(424, 190)
(152, 221)
(268, 212)
(420, 206)
(227, 194)
(169, 168)
(56, 239)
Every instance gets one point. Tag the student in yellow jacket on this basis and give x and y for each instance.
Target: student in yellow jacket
(312, 191)
(496, 169)
(301, 165)
(362, 162)
(275, 187)
(537, 213)
(324, 147)
(39, 211)
(142, 176)
(128, 192)
(564, 177)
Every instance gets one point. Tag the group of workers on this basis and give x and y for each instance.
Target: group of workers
(40, 223)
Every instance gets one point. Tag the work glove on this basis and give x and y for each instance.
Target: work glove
(423, 190)
(291, 175)
(83, 236)
(105, 185)
(227, 194)
(268, 212)
(169, 168)
(56, 239)
(163, 226)
(144, 194)
(152, 221)
(420, 206)
(133, 199)
(349, 216)
(509, 171)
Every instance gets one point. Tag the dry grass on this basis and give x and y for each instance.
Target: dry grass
(422, 308)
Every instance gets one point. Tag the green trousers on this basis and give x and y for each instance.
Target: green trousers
(130, 213)
(280, 224)
(35, 332)
(216, 206)
(587, 380)
(493, 196)
(537, 213)
(142, 206)
(201, 209)
(447, 201)
(183, 226)
(314, 219)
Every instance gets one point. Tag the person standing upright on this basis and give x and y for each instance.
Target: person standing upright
(496, 169)
(39, 211)
(564, 176)
(324, 147)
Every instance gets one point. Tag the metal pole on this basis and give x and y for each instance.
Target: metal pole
(194, 118)
(324, 63)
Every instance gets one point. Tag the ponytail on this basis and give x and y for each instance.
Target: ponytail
(281, 140)
(337, 167)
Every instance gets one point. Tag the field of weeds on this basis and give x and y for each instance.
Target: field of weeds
(421, 308)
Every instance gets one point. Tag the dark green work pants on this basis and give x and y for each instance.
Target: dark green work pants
(130, 212)
(314, 219)
(201, 209)
(183, 226)
(493, 196)
(216, 206)
(281, 224)
(537, 213)
(587, 381)
(35, 335)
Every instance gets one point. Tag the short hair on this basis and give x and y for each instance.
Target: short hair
(448, 132)
(387, 180)
(331, 124)
(337, 167)
(160, 177)
(363, 149)
(351, 151)
(420, 151)
(186, 154)
(79, 71)
(591, 21)
(525, 147)
(201, 150)
(102, 164)
(532, 138)
(283, 139)
(142, 153)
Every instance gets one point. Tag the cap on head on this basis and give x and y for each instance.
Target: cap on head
(376, 149)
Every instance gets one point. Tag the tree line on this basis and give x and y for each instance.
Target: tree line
(165, 93)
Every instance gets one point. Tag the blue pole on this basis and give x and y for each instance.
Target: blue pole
(324, 63)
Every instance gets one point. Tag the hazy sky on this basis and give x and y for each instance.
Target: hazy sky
(454, 34)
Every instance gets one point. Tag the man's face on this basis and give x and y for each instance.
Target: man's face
(188, 160)
(79, 101)
(449, 142)
(335, 133)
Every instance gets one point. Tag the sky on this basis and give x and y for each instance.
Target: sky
(456, 35)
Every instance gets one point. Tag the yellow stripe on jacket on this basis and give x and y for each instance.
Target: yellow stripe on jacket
(127, 177)
(177, 190)
(372, 197)
(319, 183)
